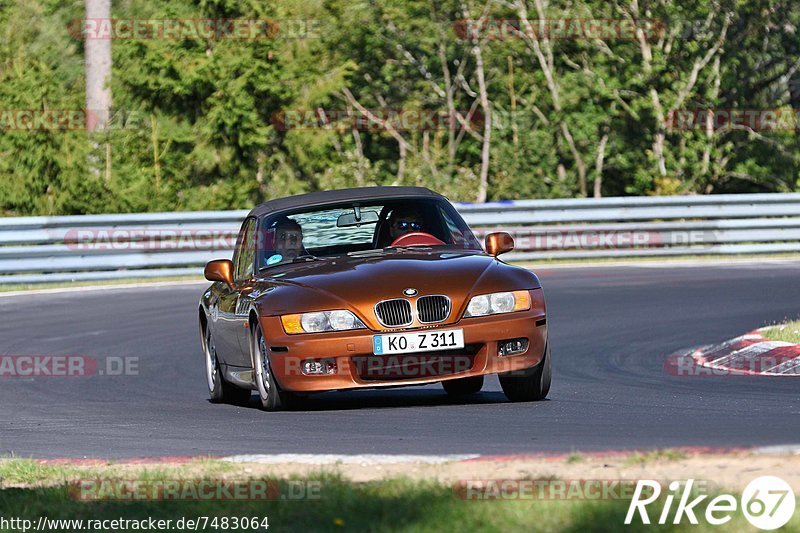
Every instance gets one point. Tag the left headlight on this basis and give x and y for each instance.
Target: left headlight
(497, 303)
(319, 321)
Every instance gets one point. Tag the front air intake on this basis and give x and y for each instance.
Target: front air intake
(432, 309)
(394, 313)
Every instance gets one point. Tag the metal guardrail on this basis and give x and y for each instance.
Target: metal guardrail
(147, 245)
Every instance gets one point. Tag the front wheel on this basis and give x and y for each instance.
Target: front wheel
(219, 390)
(268, 392)
(531, 387)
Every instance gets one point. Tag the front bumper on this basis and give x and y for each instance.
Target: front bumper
(357, 367)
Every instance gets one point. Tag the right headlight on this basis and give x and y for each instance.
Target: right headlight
(497, 303)
(320, 321)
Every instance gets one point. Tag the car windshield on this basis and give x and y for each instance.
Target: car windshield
(348, 228)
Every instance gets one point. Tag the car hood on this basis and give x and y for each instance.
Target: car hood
(358, 281)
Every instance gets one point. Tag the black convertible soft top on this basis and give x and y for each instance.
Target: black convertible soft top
(314, 199)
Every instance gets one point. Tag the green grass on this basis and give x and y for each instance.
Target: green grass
(213, 466)
(28, 472)
(787, 332)
(391, 505)
(655, 455)
(575, 458)
(30, 489)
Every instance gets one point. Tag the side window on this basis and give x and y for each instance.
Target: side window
(456, 236)
(245, 251)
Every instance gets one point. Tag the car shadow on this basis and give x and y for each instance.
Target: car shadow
(386, 399)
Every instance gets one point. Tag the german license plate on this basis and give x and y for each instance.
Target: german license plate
(419, 341)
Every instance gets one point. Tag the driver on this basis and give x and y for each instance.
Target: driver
(404, 220)
(288, 241)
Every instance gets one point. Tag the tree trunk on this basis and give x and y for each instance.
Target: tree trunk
(598, 166)
(98, 79)
(483, 187)
(156, 158)
(98, 68)
(513, 101)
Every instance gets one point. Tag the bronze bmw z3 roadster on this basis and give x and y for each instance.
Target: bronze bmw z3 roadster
(364, 288)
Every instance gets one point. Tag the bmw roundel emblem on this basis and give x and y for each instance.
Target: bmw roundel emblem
(410, 292)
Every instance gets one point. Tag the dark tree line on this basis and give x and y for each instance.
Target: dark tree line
(332, 94)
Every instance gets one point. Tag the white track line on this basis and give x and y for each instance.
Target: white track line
(784, 449)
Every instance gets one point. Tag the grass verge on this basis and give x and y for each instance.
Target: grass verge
(786, 332)
(669, 454)
(337, 504)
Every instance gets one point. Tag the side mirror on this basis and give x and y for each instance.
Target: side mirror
(499, 243)
(220, 270)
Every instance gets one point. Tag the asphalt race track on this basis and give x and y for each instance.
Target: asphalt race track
(611, 329)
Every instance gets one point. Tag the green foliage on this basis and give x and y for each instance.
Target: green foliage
(786, 332)
(337, 504)
(196, 119)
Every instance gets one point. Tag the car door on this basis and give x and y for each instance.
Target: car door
(243, 276)
(231, 321)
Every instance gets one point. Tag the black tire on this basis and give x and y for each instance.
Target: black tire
(533, 386)
(271, 397)
(219, 390)
(463, 386)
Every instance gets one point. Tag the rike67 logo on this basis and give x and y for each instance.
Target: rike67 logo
(767, 503)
